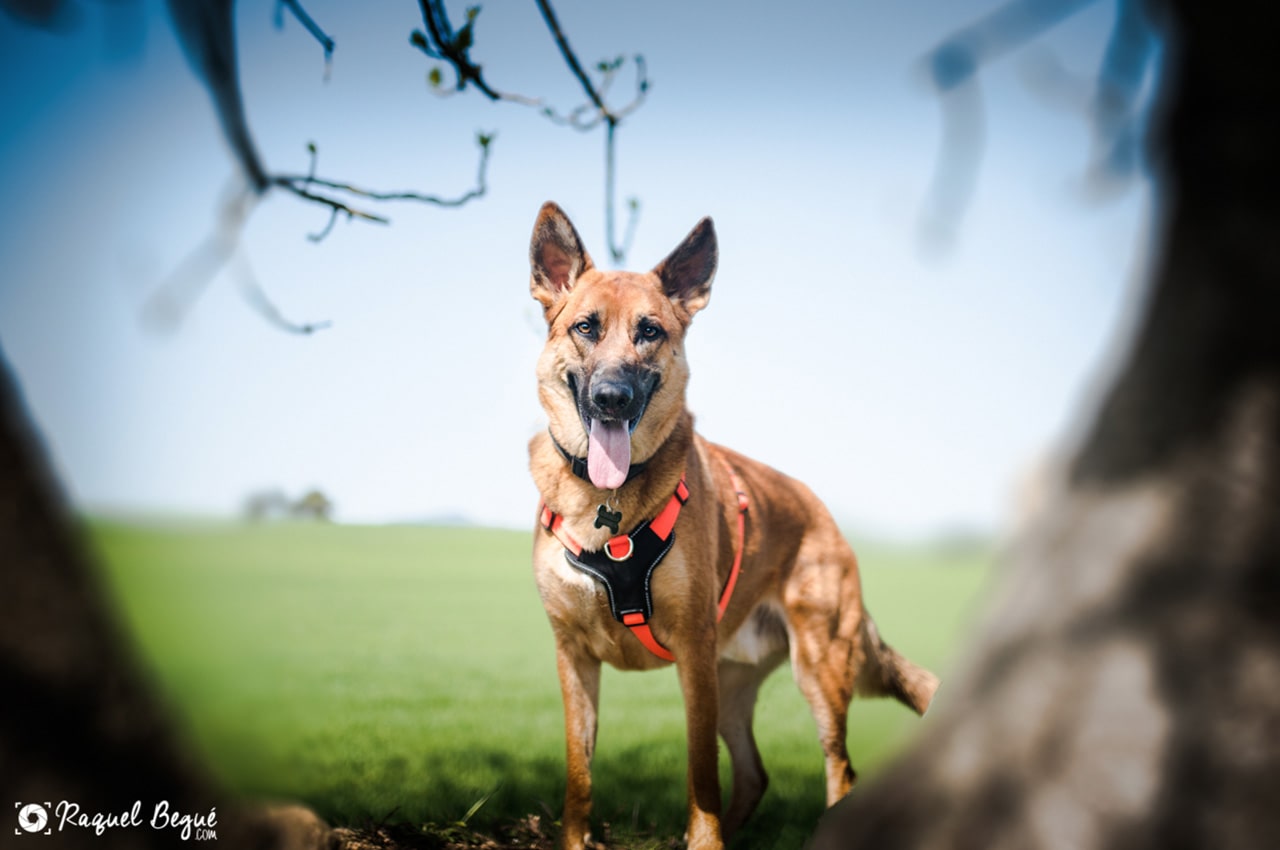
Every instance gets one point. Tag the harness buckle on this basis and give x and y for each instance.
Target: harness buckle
(631, 548)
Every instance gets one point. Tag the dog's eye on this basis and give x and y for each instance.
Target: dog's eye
(584, 327)
(650, 332)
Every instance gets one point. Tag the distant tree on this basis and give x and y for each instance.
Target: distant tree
(266, 505)
(313, 505)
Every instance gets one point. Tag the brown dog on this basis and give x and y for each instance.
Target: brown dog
(621, 454)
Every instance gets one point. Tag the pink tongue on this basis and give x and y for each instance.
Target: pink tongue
(608, 454)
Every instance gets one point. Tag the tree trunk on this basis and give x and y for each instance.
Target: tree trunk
(77, 720)
(1124, 690)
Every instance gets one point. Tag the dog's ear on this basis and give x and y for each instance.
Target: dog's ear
(556, 256)
(686, 273)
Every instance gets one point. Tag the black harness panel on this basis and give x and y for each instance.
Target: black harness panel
(627, 581)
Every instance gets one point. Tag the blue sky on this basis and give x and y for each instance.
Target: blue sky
(912, 392)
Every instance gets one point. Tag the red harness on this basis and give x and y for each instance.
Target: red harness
(620, 548)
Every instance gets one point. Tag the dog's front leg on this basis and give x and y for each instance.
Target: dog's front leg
(580, 688)
(697, 670)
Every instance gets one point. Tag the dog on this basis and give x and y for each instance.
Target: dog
(654, 544)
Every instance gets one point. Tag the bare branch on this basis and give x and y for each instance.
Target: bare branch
(442, 42)
(307, 21)
(629, 233)
(174, 297)
(324, 200)
(206, 31)
(570, 58)
(301, 185)
(953, 68)
(642, 89)
(586, 116)
(314, 152)
(955, 172)
(1007, 28)
(618, 251)
(320, 235)
(257, 298)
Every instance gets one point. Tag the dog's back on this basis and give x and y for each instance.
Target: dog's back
(812, 573)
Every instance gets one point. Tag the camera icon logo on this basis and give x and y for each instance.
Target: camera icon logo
(33, 818)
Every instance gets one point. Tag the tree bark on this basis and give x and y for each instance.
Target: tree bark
(78, 721)
(1124, 689)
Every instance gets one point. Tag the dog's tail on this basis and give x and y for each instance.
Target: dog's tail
(886, 673)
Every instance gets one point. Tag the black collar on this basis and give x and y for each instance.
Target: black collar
(579, 464)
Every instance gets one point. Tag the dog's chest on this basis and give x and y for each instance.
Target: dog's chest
(570, 593)
(584, 589)
(580, 604)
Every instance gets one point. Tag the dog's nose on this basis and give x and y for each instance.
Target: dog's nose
(611, 396)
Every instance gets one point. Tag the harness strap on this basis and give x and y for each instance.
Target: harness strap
(727, 594)
(640, 628)
(554, 523)
(621, 547)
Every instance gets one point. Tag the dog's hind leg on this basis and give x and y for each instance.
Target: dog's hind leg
(824, 619)
(828, 689)
(739, 685)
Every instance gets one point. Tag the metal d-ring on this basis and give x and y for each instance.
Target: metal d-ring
(631, 548)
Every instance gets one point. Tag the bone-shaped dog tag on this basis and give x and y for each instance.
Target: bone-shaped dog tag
(606, 517)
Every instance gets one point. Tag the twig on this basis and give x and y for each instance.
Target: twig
(300, 185)
(442, 42)
(953, 68)
(258, 299)
(484, 140)
(170, 302)
(336, 206)
(206, 32)
(611, 120)
(617, 251)
(315, 156)
(309, 23)
(570, 58)
(320, 235)
(452, 47)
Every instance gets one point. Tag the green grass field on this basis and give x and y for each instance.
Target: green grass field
(408, 672)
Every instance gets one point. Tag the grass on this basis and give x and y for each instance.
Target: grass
(408, 672)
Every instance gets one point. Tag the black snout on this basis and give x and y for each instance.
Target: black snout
(612, 398)
(616, 394)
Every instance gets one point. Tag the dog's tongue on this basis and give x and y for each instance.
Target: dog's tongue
(608, 454)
